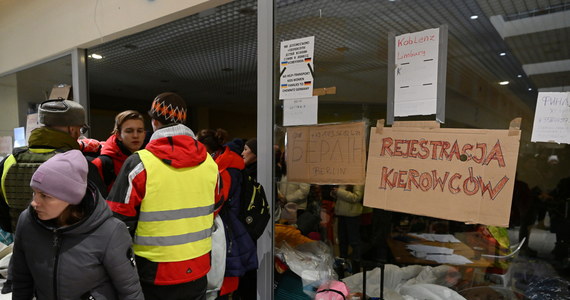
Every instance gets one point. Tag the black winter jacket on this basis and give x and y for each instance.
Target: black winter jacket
(90, 258)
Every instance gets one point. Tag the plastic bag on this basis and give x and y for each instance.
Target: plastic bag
(313, 262)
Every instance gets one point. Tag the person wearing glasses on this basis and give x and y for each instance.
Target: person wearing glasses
(127, 137)
(69, 245)
(64, 121)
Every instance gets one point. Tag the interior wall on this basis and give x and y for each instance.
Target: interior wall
(58, 26)
(9, 98)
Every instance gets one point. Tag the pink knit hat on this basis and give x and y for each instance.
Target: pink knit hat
(64, 176)
(332, 290)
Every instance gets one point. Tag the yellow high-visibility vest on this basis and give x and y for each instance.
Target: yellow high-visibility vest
(176, 213)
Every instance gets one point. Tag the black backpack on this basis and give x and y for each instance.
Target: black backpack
(254, 210)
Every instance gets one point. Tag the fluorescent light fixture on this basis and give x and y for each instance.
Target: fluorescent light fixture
(96, 56)
(474, 17)
(504, 82)
(502, 53)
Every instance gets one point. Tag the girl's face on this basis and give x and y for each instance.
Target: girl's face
(47, 207)
(132, 134)
(248, 156)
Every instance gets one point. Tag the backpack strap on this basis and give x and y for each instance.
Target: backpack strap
(108, 167)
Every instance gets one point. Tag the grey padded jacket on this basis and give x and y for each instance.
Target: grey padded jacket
(91, 259)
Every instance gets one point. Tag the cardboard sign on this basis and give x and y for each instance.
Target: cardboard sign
(61, 91)
(464, 175)
(326, 154)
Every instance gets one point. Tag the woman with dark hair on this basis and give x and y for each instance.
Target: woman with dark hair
(127, 136)
(69, 245)
(241, 253)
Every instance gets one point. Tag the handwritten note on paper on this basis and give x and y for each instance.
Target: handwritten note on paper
(415, 91)
(327, 154)
(303, 111)
(552, 118)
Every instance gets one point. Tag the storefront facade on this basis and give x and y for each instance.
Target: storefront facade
(499, 57)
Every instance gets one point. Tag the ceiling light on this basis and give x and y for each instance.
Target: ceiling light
(502, 53)
(504, 82)
(519, 76)
(474, 17)
(530, 89)
(96, 56)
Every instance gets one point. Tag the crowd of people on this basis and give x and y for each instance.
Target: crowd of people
(128, 218)
(157, 216)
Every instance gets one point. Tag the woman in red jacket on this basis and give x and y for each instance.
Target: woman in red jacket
(127, 137)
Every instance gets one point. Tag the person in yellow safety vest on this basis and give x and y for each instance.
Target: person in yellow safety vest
(165, 195)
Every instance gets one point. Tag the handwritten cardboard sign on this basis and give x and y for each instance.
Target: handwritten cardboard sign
(456, 174)
(326, 154)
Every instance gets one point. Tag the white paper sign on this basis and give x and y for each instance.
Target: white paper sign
(303, 111)
(296, 83)
(296, 68)
(552, 118)
(20, 137)
(5, 144)
(31, 124)
(295, 53)
(415, 90)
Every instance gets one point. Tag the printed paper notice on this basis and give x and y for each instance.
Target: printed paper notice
(552, 118)
(303, 111)
(5, 144)
(415, 75)
(296, 68)
(297, 53)
(296, 83)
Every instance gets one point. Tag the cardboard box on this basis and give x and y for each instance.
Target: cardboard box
(61, 91)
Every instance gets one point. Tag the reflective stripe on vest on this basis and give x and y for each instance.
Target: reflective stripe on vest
(176, 213)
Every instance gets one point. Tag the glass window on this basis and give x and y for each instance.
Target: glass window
(498, 58)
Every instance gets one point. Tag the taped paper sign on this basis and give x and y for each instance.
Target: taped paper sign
(464, 175)
(552, 118)
(326, 154)
(296, 68)
(416, 58)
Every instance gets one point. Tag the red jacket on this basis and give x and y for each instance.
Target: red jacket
(117, 154)
(175, 146)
